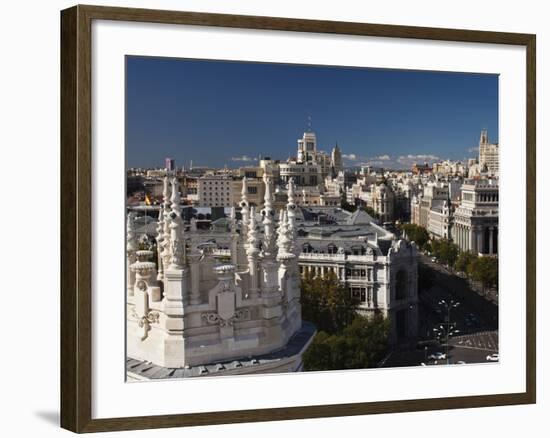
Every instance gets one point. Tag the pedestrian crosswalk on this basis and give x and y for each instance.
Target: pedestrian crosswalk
(485, 340)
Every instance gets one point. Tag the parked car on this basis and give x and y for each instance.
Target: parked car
(493, 357)
(438, 356)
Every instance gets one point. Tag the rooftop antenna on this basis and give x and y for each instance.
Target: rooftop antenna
(309, 123)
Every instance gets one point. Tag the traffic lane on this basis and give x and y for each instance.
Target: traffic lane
(456, 353)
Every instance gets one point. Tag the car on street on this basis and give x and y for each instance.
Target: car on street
(437, 356)
(493, 357)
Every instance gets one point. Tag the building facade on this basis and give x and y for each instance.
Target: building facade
(488, 154)
(214, 190)
(475, 225)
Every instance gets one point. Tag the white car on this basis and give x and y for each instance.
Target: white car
(493, 357)
(437, 356)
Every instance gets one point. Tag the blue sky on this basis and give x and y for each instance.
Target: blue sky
(218, 113)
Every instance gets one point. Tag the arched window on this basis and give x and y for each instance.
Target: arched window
(332, 249)
(401, 285)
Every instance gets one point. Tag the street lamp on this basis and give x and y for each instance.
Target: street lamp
(448, 328)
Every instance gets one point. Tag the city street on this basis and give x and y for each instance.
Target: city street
(475, 318)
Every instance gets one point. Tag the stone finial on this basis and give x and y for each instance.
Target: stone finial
(268, 215)
(284, 238)
(177, 243)
(252, 237)
(159, 238)
(165, 190)
(165, 212)
(131, 239)
(291, 214)
(244, 206)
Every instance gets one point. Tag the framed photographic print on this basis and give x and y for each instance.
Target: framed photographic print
(268, 218)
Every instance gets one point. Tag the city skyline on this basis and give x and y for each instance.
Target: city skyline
(388, 118)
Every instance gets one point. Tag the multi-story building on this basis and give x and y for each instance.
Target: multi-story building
(422, 203)
(214, 190)
(254, 186)
(311, 166)
(382, 201)
(475, 226)
(170, 164)
(488, 154)
(449, 168)
(440, 219)
(377, 269)
(420, 169)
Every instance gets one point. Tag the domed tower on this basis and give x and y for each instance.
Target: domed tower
(336, 160)
(307, 146)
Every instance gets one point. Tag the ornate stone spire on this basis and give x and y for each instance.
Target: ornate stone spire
(131, 239)
(291, 214)
(177, 243)
(284, 238)
(234, 248)
(268, 214)
(165, 211)
(131, 248)
(159, 238)
(244, 206)
(252, 252)
(252, 237)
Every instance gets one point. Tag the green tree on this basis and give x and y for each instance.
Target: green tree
(367, 340)
(362, 344)
(445, 251)
(485, 270)
(326, 303)
(464, 260)
(416, 233)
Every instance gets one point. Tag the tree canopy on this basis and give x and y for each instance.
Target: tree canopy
(484, 270)
(344, 339)
(362, 344)
(417, 234)
(445, 251)
(326, 303)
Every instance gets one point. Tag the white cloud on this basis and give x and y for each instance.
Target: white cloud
(243, 158)
(383, 157)
(409, 160)
(351, 157)
(474, 149)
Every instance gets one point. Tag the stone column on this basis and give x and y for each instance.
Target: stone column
(252, 253)
(472, 239)
(480, 240)
(491, 229)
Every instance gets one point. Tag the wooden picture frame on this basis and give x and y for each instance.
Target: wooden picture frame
(76, 198)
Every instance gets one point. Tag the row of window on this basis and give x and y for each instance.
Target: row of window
(364, 295)
(487, 197)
